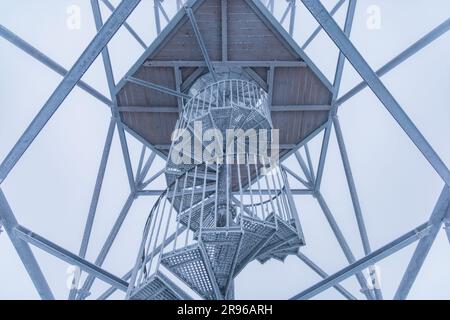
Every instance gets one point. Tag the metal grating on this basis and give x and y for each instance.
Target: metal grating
(222, 249)
(159, 287)
(189, 265)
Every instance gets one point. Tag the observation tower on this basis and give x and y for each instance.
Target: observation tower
(228, 99)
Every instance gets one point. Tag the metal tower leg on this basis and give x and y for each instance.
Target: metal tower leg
(366, 72)
(69, 257)
(365, 262)
(441, 210)
(67, 84)
(24, 250)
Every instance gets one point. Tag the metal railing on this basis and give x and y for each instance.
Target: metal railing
(225, 94)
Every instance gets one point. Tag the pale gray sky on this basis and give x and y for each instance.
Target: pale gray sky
(50, 188)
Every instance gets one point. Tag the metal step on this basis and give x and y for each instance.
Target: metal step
(159, 287)
(192, 266)
(194, 214)
(256, 234)
(284, 234)
(222, 248)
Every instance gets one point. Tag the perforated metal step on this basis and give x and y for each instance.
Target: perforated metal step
(159, 287)
(283, 236)
(256, 234)
(193, 214)
(222, 248)
(192, 266)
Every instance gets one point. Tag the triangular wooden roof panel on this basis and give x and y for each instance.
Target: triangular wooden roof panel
(254, 40)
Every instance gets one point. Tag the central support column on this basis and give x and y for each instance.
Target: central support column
(223, 192)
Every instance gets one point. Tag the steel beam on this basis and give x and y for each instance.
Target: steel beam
(317, 30)
(51, 64)
(108, 243)
(212, 188)
(397, 60)
(141, 109)
(141, 176)
(67, 84)
(354, 195)
(365, 262)
(179, 4)
(351, 186)
(178, 81)
(305, 169)
(157, 87)
(69, 257)
(285, 14)
(24, 251)
(372, 80)
(142, 140)
(336, 87)
(157, 18)
(224, 19)
(244, 63)
(97, 190)
(126, 25)
(161, 9)
(94, 200)
(145, 183)
(308, 158)
(111, 86)
(441, 210)
(324, 275)
(270, 5)
(292, 17)
(342, 243)
(200, 42)
(297, 177)
(447, 227)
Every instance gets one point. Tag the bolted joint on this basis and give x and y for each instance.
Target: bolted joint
(423, 233)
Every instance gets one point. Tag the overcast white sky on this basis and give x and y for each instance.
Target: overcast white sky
(50, 188)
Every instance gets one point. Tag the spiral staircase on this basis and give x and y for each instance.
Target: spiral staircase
(216, 216)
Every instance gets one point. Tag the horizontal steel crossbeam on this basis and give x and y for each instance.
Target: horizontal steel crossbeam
(365, 262)
(52, 248)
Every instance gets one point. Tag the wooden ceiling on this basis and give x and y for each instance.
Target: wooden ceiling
(235, 33)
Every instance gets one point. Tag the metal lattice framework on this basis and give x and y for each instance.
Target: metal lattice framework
(424, 234)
